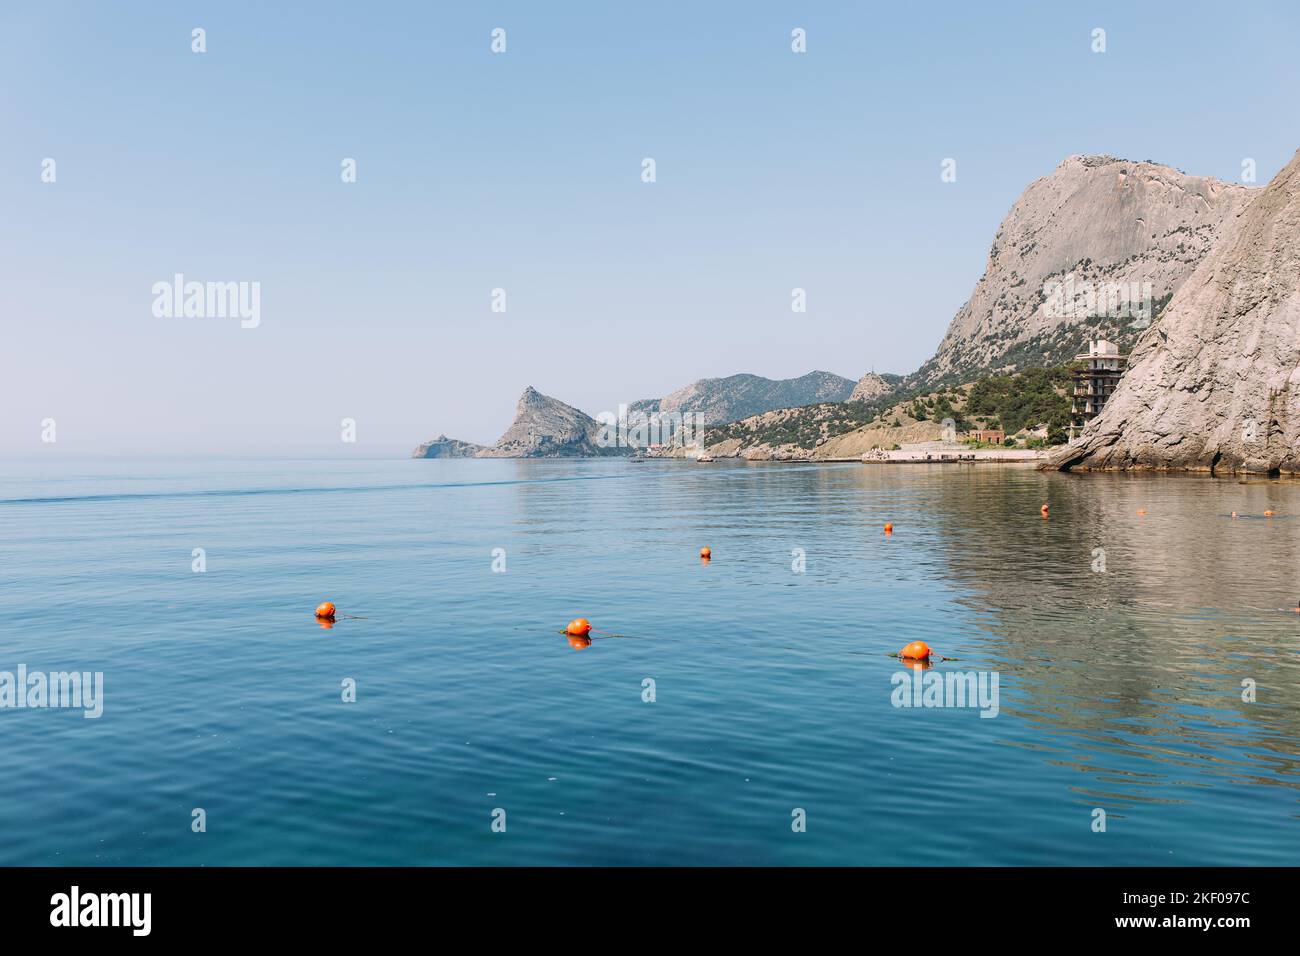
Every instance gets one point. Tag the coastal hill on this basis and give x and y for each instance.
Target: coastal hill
(1093, 223)
(1014, 403)
(545, 427)
(1094, 220)
(1215, 386)
(721, 400)
(872, 386)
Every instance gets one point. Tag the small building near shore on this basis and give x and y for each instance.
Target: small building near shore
(989, 436)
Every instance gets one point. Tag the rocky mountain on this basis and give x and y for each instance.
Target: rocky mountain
(1077, 249)
(444, 447)
(1097, 249)
(872, 386)
(1216, 385)
(730, 399)
(545, 427)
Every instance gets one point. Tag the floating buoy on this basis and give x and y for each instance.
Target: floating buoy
(1269, 514)
(889, 527)
(916, 651)
(326, 611)
(578, 627)
(706, 553)
(1043, 511)
(1234, 514)
(1141, 512)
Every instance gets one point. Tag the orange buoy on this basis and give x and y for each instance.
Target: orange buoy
(578, 627)
(326, 611)
(1234, 514)
(706, 553)
(889, 527)
(1043, 511)
(1269, 514)
(1141, 511)
(916, 651)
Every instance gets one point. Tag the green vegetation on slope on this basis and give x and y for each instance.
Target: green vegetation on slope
(1010, 402)
(800, 426)
(1044, 350)
(1023, 400)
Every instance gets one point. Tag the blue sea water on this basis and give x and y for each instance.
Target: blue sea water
(1120, 689)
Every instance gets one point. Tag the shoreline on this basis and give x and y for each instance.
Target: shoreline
(929, 454)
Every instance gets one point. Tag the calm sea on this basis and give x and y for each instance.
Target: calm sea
(1120, 690)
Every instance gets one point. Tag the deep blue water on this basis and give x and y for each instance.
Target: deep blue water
(1118, 690)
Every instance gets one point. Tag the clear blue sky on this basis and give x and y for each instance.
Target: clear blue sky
(522, 171)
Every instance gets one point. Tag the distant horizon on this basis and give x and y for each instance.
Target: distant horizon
(372, 454)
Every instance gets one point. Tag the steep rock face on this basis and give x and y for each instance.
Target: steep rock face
(545, 427)
(730, 399)
(1216, 385)
(872, 386)
(1095, 222)
(444, 447)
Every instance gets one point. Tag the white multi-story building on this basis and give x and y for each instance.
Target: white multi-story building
(1095, 381)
